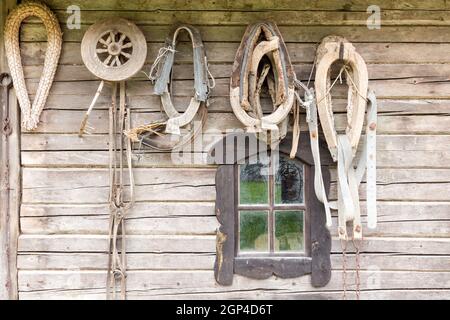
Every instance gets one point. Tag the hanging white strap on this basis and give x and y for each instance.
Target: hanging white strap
(369, 157)
(312, 119)
(350, 173)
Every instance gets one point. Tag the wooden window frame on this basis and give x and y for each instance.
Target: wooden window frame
(316, 260)
(272, 207)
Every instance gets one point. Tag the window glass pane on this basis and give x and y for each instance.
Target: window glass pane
(253, 183)
(253, 231)
(289, 231)
(288, 182)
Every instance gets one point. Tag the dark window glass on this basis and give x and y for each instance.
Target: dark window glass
(253, 227)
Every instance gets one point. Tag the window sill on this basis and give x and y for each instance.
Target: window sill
(265, 267)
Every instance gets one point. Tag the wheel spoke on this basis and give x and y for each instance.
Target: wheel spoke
(127, 45)
(126, 55)
(102, 50)
(103, 41)
(122, 38)
(107, 60)
(118, 63)
(112, 36)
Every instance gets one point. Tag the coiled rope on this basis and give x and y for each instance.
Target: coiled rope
(32, 112)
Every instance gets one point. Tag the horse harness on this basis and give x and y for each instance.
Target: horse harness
(263, 44)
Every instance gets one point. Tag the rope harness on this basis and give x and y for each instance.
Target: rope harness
(166, 135)
(118, 122)
(262, 57)
(32, 112)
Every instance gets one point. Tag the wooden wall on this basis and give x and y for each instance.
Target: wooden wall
(64, 215)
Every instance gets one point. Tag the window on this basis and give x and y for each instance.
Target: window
(271, 222)
(271, 208)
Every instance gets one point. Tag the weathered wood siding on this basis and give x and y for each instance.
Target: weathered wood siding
(171, 247)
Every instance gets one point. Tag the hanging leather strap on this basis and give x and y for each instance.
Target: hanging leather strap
(350, 171)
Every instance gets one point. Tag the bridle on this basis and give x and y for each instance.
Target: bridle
(262, 39)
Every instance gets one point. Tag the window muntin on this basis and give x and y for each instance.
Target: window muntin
(281, 182)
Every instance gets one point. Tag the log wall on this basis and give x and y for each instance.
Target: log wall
(64, 213)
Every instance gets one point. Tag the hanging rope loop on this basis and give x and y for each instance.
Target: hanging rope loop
(32, 111)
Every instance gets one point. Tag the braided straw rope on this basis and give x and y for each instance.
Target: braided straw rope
(31, 114)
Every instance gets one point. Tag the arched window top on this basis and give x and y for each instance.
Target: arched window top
(236, 147)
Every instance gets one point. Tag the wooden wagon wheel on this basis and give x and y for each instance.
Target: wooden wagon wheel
(114, 49)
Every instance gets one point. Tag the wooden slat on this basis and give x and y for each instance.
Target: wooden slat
(91, 186)
(170, 282)
(222, 70)
(82, 159)
(206, 226)
(151, 5)
(66, 142)
(410, 88)
(205, 261)
(283, 17)
(312, 34)
(389, 294)
(65, 121)
(206, 244)
(224, 52)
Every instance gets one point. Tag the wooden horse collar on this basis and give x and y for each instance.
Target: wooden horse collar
(201, 86)
(262, 39)
(332, 49)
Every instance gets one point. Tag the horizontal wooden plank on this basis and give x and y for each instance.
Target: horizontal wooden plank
(283, 17)
(67, 142)
(409, 88)
(207, 244)
(390, 294)
(68, 122)
(99, 243)
(312, 34)
(63, 159)
(135, 261)
(411, 191)
(183, 282)
(205, 226)
(92, 186)
(155, 5)
(139, 210)
(33, 53)
(205, 261)
(223, 70)
(388, 211)
(189, 225)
